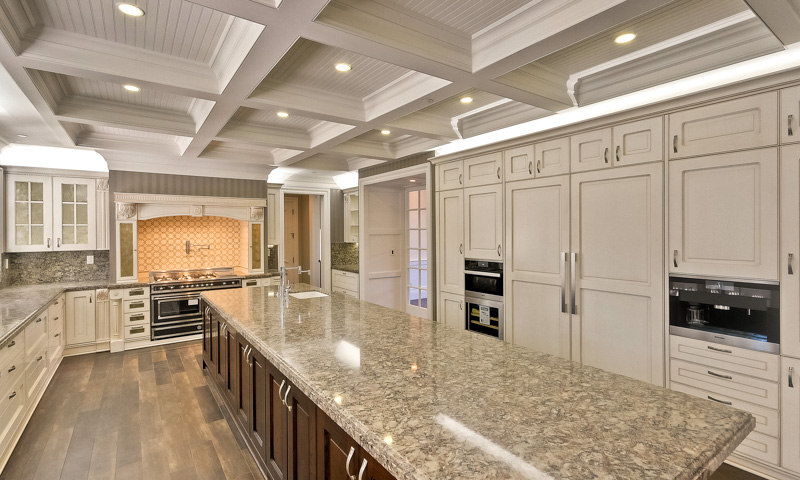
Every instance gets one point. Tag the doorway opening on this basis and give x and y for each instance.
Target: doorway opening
(303, 237)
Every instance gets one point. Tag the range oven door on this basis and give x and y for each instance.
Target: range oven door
(171, 309)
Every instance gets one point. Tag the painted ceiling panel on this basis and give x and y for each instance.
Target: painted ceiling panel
(311, 65)
(452, 107)
(468, 16)
(124, 132)
(114, 92)
(172, 27)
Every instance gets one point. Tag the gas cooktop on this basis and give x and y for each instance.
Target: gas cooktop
(193, 275)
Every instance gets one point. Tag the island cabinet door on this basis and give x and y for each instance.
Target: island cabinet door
(213, 345)
(241, 397)
(302, 432)
(337, 453)
(277, 441)
(228, 362)
(372, 469)
(257, 402)
(206, 335)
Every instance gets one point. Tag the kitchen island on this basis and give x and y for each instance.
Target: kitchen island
(431, 402)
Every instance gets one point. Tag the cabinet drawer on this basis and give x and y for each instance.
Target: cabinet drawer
(767, 420)
(760, 446)
(14, 347)
(133, 306)
(748, 122)
(55, 336)
(12, 373)
(345, 291)
(723, 382)
(483, 170)
(137, 331)
(739, 360)
(36, 372)
(56, 309)
(345, 280)
(136, 293)
(250, 283)
(36, 334)
(136, 318)
(12, 406)
(449, 176)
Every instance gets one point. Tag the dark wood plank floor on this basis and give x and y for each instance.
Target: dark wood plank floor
(141, 414)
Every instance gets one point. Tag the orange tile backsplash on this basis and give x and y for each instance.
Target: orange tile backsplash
(162, 243)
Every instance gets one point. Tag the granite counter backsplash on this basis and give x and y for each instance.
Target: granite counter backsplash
(34, 268)
(344, 254)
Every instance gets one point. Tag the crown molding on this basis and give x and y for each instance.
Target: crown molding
(401, 92)
(16, 23)
(507, 114)
(539, 80)
(158, 198)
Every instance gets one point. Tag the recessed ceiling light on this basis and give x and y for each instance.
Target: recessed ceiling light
(625, 38)
(131, 10)
(343, 67)
(413, 181)
(20, 135)
(283, 114)
(132, 88)
(466, 100)
(386, 132)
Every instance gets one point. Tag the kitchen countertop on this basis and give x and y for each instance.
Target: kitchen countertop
(431, 402)
(346, 268)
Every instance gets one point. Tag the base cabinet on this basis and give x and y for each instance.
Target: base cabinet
(340, 457)
(790, 414)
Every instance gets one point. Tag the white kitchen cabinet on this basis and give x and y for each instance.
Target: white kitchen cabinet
(274, 215)
(483, 223)
(617, 255)
(36, 343)
(450, 176)
(116, 335)
(351, 215)
(552, 157)
(639, 142)
(789, 259)
(450, 241)
(537, 240)
(590, 150)
(483, 170)
(790, 414)
(723, 218)
(739, 124)
(451, 310)
(518, 163)
(345, 282)
(55, 331)
(50, 213)
(102, 316)
(256, 258)
(789, 121)
(80, 317)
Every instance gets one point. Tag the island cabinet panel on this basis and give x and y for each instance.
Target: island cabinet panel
(242, 399)
(302, 433)
(339, 457)
(277, 441)
(230, 373)
(253, 396)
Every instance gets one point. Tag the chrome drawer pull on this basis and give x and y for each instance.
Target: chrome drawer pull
(675, 258)
(13, 342)
(726, 377)
(718, 349)
(530, 168)
(347, 464)
(719, 401)
(13, 367)
(280, 390)
(675, 144)
(789, 122)
(538, 170)
(361, 472)
(791, 270)
(12, 395)
(617, 153)
(286, 398)
(605, 155)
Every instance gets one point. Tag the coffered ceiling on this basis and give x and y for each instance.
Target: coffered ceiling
(239, 87)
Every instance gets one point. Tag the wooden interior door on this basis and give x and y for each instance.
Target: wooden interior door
(291, 236)
(537, 240)
(617, 241)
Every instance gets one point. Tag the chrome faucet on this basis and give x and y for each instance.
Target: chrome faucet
(284, 290)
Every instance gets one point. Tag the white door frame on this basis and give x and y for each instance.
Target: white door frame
(427, 169)
(326, 228)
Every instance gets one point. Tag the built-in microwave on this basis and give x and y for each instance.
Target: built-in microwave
(483, 282)
(736, 313)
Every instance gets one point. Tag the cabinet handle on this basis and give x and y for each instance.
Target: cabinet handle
(48, 242)
(719, 401)
(347, 464)
(498, 250)
(605, 155)
(789, 121)
(286, 398)
(39, 358)
(538, 166)
(791, 270)
(573, 280)
(675, 144)
(90, 299)
(363, 467)
(58, 242)
(617, 154)
(280, 389)
(137, 330)
(13, 342)
(675, 258)
(719, 349)
(12, 395)
(461, 248)
(791, 371)
(564, 282)
(39, 320)
(460, 305)
(56, 335)
(498, 173)
(460, 178)
(14, 367)
(726, 377)
(530, 168)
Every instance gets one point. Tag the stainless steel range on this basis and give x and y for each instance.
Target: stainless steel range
(175, 299)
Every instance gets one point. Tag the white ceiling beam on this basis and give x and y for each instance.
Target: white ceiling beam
(781, 16)
(97, 112)
(261, 135)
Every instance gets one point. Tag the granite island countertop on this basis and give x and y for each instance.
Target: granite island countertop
(435, 403)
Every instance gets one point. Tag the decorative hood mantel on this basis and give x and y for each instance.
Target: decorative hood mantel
(146, 206)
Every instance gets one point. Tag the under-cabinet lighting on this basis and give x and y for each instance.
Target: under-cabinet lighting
(343, 67)
(131, 10)
(132, 88)
(52, 157)
(625, 38)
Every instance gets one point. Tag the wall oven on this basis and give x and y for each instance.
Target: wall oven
(483, 291)
(736, 313)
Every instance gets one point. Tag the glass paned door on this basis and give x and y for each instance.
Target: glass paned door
(29, 213)
(417, 252)
(74, 216)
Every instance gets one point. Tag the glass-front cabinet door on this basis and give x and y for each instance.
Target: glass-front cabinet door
(29, 213)
(74, 221)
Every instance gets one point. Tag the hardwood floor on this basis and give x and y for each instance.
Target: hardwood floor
(141, 414)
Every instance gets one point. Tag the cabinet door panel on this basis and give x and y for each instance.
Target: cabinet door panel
(748, 122)
(241, 387)
(450, 240)
(257, 402)
(483, 170)
(537, 241)
(29, 213)
(789, 260)
(617, 238)
(302, 436)
(231, 370)
(80, 321)
(449, 176)
(277, 421)
(724, 215)
(333, 448)
(372, 469)
(552, 157)
(790, 414)
(74, 217)
(483, 222)
(639, 142)
(519, 163)
(274, 209)
(590, 150)
(451, 310)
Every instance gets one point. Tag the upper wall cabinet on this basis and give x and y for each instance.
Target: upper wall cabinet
(639, 142)
(789, 122)
(519, 163)
(483, 170)
(351, 216)
(50, 213)
(591, 150)
(723, 215)
(274, 211)
(543, 159)
(483, 223)
(449, 176)
(748, 122)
